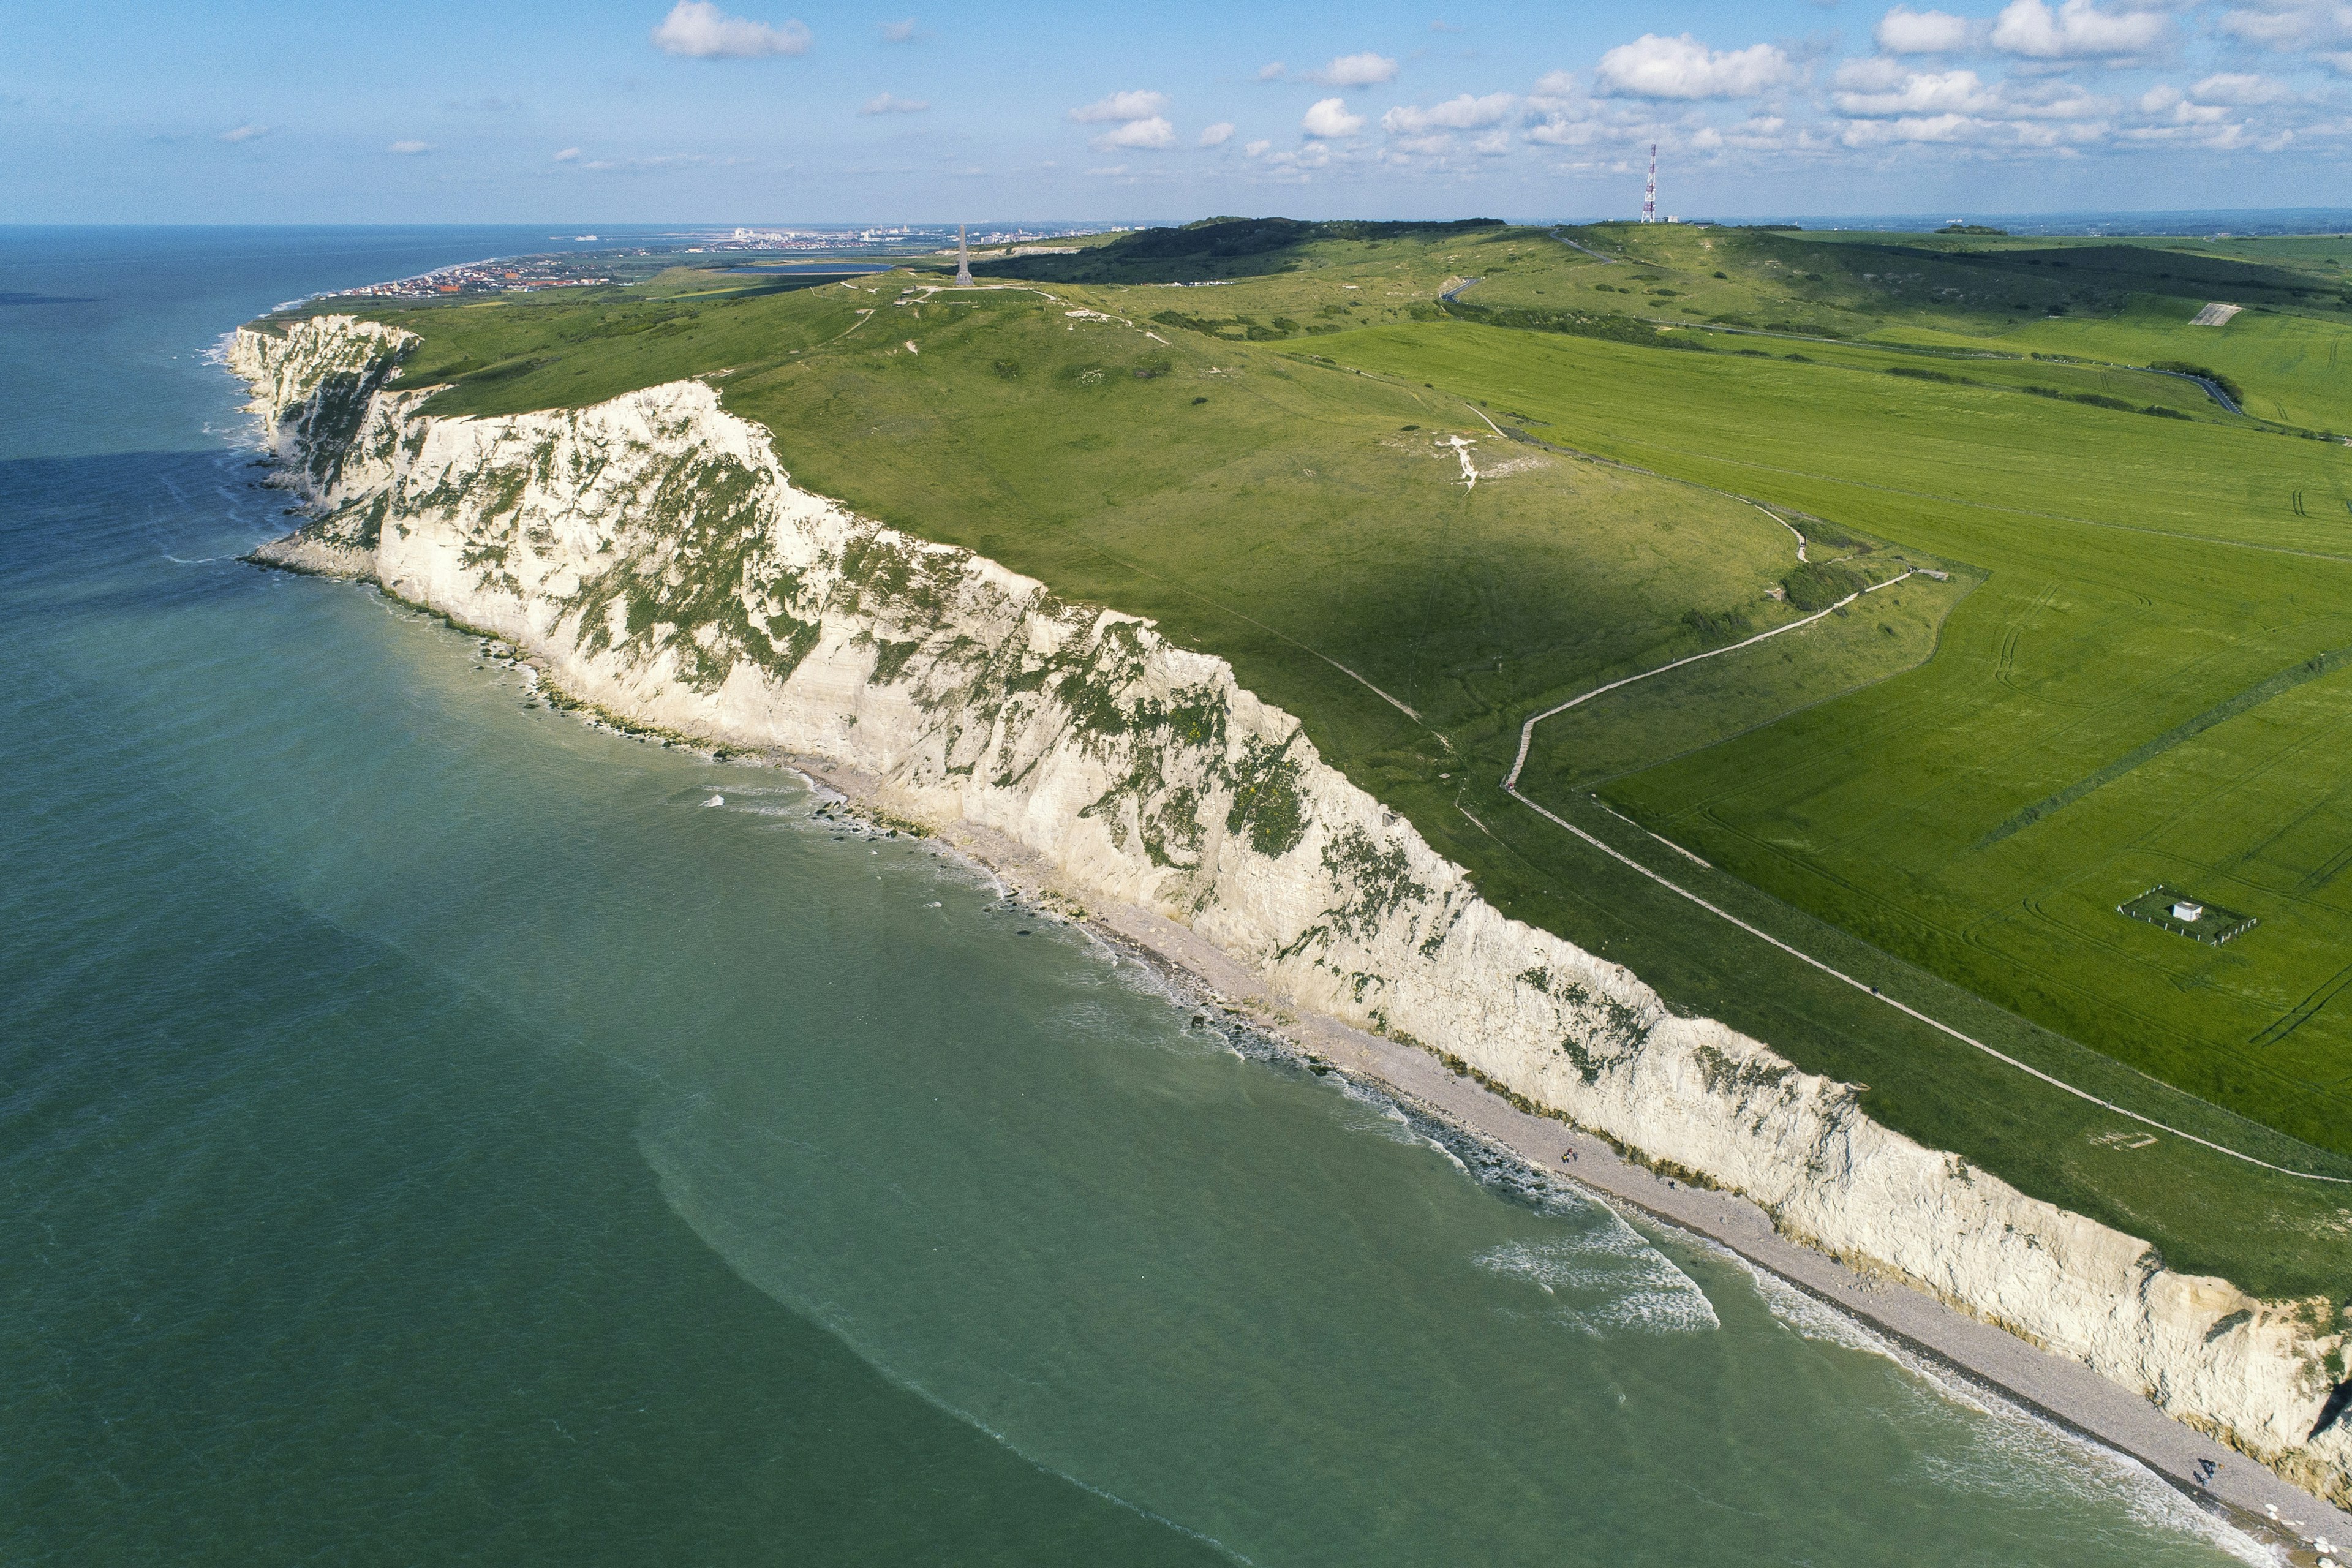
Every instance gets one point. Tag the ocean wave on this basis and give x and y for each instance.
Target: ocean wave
(2012, 1451)
(1645, 1292)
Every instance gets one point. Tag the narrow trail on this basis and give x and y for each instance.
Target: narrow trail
(1935, 1024)
(1410, 713)
(1527, 739)
(1511, 788)
(1791, 527)
(1605, 260)
(1527, 730)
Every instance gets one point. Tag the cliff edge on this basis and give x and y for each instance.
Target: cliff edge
(655, 554)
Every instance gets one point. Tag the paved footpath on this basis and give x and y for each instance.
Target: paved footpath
(2061, 1390)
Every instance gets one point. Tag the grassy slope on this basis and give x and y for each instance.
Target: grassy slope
(1292, 514)
(2086, 641)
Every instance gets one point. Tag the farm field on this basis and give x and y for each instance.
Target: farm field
(1267, 467)
(2101, 715)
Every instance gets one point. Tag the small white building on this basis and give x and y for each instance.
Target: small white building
(2185, 910)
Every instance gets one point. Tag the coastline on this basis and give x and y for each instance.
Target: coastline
(1971, 1354)
(2065, 1393)
(2051, 1386)
(1692, 1099)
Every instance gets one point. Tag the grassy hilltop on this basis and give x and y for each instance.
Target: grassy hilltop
(2126, 669)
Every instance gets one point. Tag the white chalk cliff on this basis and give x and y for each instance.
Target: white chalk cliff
(655, 555)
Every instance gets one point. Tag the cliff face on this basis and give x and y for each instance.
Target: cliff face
(655, 555)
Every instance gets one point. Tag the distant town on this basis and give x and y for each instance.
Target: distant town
(588, 270)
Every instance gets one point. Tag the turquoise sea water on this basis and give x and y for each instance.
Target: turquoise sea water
(432, 1130)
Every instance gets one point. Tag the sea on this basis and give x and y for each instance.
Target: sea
(434, 1130)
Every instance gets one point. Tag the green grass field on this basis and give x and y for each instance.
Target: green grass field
(2140, 575)
(1265, 467)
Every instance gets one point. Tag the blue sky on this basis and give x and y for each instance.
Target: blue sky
(783, 110)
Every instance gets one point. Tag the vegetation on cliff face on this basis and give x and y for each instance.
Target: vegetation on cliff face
(1294, 500)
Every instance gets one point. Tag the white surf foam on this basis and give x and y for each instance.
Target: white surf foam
(1644, 1291)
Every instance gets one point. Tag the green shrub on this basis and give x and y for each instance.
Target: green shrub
(1818, 584)
(1717, 626)
(2182, 367)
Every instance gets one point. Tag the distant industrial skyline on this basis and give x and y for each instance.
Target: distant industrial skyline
(652, 112)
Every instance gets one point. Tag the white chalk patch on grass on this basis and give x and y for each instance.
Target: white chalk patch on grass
(2215, 315)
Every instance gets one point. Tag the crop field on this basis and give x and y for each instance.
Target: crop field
(1944, 786)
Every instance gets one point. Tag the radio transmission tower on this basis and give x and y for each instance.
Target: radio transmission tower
(1650, 191)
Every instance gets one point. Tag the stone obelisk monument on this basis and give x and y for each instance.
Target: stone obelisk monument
(963, 260)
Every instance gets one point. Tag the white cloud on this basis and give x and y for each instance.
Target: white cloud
(1148, 134)
(1217, 135)
(1294, 165)
(898, 32)
(2055, 99)
(1564, 133)
(569, 156)
(2238, 87)
(1493, 144)
(1919, 92)
(2077, 30)
(1121, 106)
(700, 30)
(1873, 74)
(1903, 31)
(1462, 114)
(2168, 100)
(663, 161)
(884, 103)
(1271, 71)
(1653, 67)
(2291, 23)
(409, 148)
(1924, 128)
(245, 132)
(1552, 89)
(1930, 93)
(1329, 117)
(1366, 69)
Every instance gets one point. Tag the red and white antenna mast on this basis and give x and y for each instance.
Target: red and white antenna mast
(1650, 191)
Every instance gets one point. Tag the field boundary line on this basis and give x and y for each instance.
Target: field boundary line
(2302, 673)
(1935, 1024)
(1511, 788)
(1940, 350)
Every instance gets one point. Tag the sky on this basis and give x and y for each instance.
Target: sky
(777, 111)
